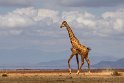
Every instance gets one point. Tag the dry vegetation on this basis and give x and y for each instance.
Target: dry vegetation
(61, 76)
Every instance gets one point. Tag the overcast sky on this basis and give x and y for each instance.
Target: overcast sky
(30, 29)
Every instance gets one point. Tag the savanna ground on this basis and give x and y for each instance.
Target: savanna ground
(61, 76)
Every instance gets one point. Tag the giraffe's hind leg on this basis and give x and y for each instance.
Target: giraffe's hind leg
(77, 60)
(77, 63)
(88, 62)
(82, 59)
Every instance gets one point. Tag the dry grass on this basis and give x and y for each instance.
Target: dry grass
(61, 77)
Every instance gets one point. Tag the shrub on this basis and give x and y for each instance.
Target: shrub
(4, 75)
(115, 73)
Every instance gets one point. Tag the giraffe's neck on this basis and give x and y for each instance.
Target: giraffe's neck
(71, 34)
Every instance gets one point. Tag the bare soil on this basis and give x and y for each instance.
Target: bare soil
(60, 76)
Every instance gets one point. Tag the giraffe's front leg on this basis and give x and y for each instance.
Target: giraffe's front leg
(69, 63)
(73, 53)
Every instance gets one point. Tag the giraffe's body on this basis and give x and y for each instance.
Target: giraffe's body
(77, 48)
(75, 42)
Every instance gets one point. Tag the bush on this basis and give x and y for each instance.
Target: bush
(4, 75)
(115, 73)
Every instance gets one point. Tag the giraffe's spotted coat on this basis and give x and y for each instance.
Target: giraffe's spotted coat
(77, 47)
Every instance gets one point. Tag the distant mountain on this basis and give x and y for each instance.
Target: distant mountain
(97, 59)
(63, 64)
(96, 62)
(110, 64)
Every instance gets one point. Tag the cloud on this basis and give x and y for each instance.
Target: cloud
(92, 3)
(26, 17)
(50, 15)
(30, 17)
(13, 20)
(45, 21)
(115, 19)
(108, 23)
(83, 18)
(16, 2)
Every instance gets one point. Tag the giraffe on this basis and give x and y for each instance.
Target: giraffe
(77, 48)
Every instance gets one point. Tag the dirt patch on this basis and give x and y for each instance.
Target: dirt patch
(61, 77)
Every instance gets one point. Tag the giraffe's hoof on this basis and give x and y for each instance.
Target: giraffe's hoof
(77, 72)
(69, 73)
(89, 72)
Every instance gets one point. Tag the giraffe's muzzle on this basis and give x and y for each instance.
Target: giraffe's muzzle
(60, 26)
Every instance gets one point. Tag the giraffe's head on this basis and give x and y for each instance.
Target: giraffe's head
(64, 23)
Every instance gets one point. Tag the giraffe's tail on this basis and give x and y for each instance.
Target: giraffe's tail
(88, 48)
